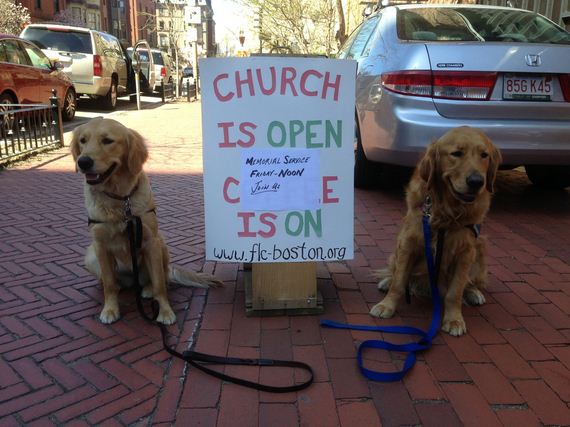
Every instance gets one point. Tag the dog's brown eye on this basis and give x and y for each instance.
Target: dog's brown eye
(457, 153)
(484, 155)
(107, 141)
(83, 140)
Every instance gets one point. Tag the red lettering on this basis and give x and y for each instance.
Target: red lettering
(304, 78)
(246, 216)
(244, 129)
(271, 90)
(327, 84)
(327, 190)
(226, 127)
(268, 219)
(288, 80)
(221, 97)
(230, 180)
(247, 81)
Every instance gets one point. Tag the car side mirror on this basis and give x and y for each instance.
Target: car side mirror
(57, 65)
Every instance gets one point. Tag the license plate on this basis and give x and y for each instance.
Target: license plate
(524, 88)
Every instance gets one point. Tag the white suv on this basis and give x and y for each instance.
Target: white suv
(95, 61)
(157, 69)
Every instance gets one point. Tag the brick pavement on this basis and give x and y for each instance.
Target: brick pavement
(60, 366)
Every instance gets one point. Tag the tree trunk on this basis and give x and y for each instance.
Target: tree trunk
(341, 33)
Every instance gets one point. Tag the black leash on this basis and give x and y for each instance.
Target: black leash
(194, 358)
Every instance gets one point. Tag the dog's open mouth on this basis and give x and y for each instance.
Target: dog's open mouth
(98, 178)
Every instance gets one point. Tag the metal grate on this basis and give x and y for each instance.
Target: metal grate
(26, 129)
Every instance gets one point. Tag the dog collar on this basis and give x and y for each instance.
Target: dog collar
(122, 198)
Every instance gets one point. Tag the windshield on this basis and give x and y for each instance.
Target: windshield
(478, 24)
(59, 39)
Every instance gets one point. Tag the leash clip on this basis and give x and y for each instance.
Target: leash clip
(426, 207)
(127, 209)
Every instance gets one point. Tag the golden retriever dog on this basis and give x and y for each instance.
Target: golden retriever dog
(457, 172)
(111, 158)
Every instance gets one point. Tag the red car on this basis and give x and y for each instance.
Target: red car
(27, 76)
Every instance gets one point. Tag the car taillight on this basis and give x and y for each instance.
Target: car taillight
(564, 80)
(416, 83)
(464, 85)
(163, 71)
(97, 66)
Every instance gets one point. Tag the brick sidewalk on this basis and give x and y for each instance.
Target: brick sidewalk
(60, 366)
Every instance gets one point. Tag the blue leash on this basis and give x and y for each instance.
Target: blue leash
(410, 348)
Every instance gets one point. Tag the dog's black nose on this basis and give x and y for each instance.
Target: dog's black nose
(85, 163)
(475, 182)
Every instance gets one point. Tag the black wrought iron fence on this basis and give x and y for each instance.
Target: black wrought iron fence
(25, 129)
(168, 91)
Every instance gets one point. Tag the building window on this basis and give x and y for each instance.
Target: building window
(56, 6)
(38, 4)
(163, 40)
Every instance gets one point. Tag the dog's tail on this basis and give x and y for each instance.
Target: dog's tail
(190, 278)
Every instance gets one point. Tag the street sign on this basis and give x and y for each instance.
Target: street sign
(193, 15)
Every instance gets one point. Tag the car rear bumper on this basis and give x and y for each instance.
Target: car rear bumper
(96, 87)
(399, 134)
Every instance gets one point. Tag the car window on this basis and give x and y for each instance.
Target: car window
(478, 24)
(343, 51)
(37, 57)
(358, 47)
(14, 53)
(61, 39)
(157, 58)
(3, 56)
(110, 46)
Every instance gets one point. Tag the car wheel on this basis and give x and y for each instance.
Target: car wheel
(69, 105)
(557, 176)
(7, 120)
(109, 101)
(365, 171)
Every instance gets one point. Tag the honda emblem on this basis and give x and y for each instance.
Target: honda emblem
(533, 60)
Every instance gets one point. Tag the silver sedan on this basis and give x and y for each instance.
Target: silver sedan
(423, 69)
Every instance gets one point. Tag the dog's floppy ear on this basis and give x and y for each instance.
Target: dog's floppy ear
(137, 152)
(428, 164)
(74, 146)
(495, 160)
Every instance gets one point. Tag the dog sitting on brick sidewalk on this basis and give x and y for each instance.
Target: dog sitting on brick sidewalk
(111, 158)
(457, 172)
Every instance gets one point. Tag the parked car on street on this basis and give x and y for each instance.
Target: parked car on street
(162, 68)
(27, 76)
(94, 60)
(423, 69)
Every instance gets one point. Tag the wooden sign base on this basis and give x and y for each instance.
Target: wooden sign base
(276, 289)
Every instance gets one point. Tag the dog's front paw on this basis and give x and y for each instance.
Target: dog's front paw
(382, 310)
(166, 316)
(109, 315)
(454, 327)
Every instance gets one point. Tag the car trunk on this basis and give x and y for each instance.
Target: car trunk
(508, 60)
